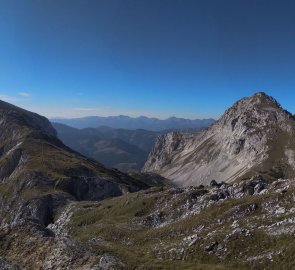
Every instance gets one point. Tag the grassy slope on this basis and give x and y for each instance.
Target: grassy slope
(114, 224)
(276, 165)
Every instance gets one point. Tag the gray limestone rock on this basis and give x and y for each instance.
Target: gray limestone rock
(244, 141)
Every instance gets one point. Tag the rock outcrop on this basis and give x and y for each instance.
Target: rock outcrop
(256, 135)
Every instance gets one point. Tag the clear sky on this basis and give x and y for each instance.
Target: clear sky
(185, 58)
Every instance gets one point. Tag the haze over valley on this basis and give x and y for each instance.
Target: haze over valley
(116, 146)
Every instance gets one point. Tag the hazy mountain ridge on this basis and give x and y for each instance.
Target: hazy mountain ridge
(126, 150)
(126, 122)
(123, 149)
(254, 136)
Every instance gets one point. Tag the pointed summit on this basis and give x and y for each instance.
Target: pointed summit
(254, 136)
(263, 98)
(260, 98)
(261, 95)
(257, 111)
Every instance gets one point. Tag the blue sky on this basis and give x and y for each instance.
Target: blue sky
(185, 58)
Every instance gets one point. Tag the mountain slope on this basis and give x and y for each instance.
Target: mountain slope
(126, 122)
(126, 150)
(39, 174)
(256, 135)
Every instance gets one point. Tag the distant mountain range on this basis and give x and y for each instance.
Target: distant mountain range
(142, 122)
(123, 149)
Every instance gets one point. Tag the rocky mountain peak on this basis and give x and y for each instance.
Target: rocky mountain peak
(242, 142)
(258, 111)
(258, 101)
(261, 100)
(262, 95)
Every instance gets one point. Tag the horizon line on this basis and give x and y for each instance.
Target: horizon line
(132, 117)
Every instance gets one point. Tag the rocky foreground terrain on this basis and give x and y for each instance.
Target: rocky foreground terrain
(62, 211)
(255, 136)
(249, 225)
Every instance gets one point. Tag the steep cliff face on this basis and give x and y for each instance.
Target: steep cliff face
(256, 135)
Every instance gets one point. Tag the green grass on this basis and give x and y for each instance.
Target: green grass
(276, 165)
(113, 222)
